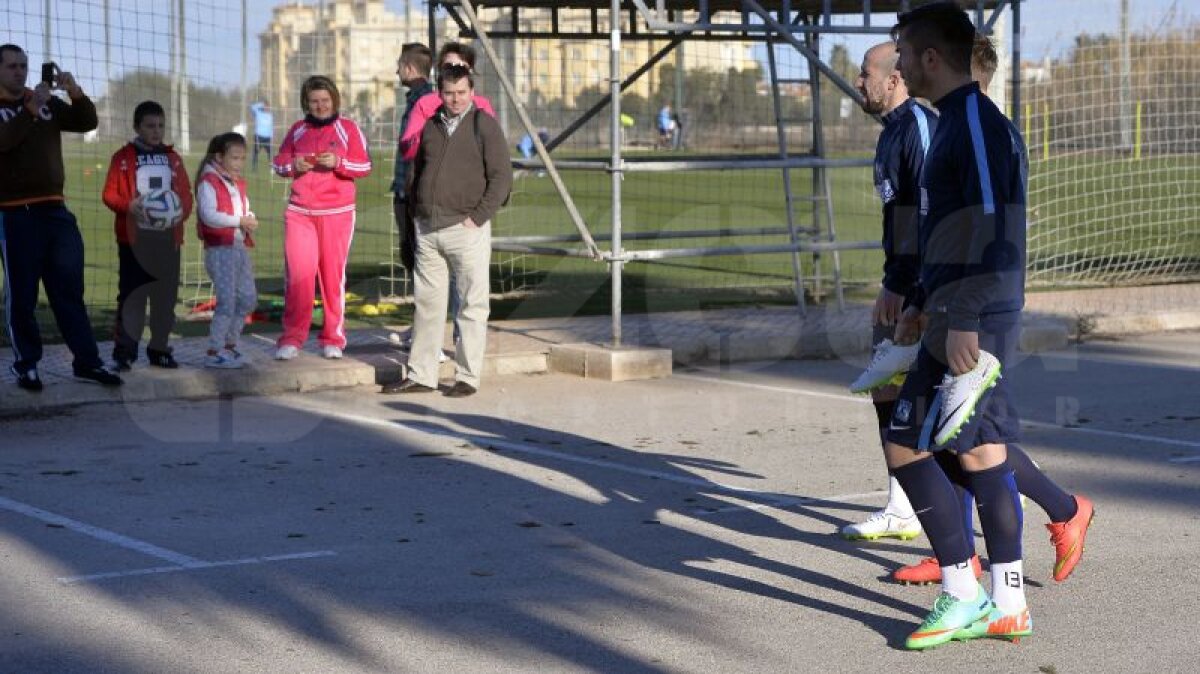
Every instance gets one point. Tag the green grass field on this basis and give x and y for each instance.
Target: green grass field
(1086, 212)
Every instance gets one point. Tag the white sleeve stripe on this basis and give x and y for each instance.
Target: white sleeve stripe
(981, 164)
(922, 126)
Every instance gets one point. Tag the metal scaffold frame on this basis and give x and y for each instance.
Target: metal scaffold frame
(798, 23)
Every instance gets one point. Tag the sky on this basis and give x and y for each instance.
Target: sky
(139, 32)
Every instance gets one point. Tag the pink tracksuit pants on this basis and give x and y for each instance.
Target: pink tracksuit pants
(315, 249)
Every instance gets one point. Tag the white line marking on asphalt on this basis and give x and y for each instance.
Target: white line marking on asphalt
(70, 580)
(105, 535)
(775, 389)
(1114, 434)
(1035, 424)
(1185, 459)
(783, 503)
(765, 499)
(180, 562)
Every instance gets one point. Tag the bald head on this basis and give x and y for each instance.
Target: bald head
(883, 56)
(879, 81)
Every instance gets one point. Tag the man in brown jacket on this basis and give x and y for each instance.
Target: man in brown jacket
(40, 241)
(462, 176)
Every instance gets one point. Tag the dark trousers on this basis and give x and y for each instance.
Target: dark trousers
(149, 273)
(41, 244)
(260, 143)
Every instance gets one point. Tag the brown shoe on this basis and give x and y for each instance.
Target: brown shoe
(405, 386)
(461, 389)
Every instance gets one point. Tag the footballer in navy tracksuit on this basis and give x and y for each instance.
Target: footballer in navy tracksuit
(899, 156)
(971, 240)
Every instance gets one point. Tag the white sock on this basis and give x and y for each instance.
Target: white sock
(897, 500)
(1008, 587)
(959, 581)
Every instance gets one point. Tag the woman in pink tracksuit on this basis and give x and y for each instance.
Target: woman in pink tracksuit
(324, 153)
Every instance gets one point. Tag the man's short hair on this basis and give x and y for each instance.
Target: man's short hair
(146, 109)
(454, 72)
(319, 83)
(417, 56)
(983, 56)
(465, 51)
(9, 47)
(943, 26)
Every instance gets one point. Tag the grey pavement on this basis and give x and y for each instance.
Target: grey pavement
(560, 524)
(522, 346)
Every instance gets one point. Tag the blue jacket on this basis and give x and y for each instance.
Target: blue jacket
(404, 168)
(972, 212)
(264, 121)
(899, 156)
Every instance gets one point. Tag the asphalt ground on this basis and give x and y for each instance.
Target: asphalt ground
(552, 523)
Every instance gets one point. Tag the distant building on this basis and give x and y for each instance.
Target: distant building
(1036, 72)
(561, 68)
(355, 42)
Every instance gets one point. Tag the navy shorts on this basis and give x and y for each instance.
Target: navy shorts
(916, 411)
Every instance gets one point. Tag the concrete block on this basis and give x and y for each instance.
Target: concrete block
(596, 361)
(1044, 336)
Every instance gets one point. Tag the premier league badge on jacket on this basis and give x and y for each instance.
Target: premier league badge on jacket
(886, 191)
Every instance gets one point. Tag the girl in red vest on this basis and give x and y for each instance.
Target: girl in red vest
(225, 224)
(324, 153)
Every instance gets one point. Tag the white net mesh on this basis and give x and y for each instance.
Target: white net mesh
(1114, 138)
(1114, 173)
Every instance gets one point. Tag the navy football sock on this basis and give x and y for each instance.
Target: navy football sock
(998, 502)
(962, 486)
(938, 508)
(883, 414)
(1032, 482)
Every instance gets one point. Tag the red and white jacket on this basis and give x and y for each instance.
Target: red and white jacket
(221, 203)
(137, 169)
(323, 191)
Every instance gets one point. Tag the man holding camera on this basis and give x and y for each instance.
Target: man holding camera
(39, 237)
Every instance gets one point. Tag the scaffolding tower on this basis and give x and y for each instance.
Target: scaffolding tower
(795, 24)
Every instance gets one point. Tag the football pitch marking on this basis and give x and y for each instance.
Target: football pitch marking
(1027, 422)
(179, 561)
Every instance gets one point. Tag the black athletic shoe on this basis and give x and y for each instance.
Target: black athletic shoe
(122, 363)
(461, 389)
(28, 380)
(406, 386)
(98, 375)
(162, 359)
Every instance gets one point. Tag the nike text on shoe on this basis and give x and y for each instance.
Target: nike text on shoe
(28, 380)
(961, 394)
(883, 524)
(927, 571)
(889, 360)
(1068, 537)
(98, 375)
(998, 625)
(949, 615)
(287, 352)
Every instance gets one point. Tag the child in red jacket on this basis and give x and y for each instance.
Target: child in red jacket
(226, 224)
(148, 190)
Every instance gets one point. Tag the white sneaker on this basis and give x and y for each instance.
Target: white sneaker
(331, 352)
(961, 394)
(286, 352)
(890, 359)
(883, 524)
(442, 356)
(224, 359)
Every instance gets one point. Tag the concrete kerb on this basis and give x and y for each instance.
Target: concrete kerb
(524, 347)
